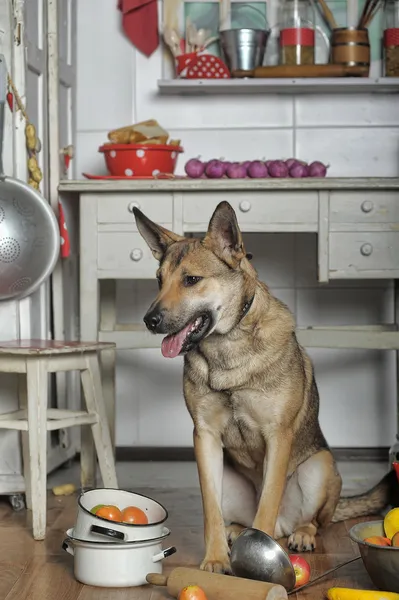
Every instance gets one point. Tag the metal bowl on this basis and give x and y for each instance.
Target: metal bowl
(29, 239)
(381, 562)
(243, 49)
(256, 555)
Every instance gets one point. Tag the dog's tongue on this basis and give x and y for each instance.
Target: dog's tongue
(172, 344)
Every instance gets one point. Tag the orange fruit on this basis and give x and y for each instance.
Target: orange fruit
(134, 515)
(192, 592)
(378, 540)
(110, 512)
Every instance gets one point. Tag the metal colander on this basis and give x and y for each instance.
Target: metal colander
(29, 233)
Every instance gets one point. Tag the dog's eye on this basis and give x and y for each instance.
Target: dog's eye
(190, 280)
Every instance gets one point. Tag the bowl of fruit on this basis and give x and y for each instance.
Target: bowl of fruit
(378, 543)
(118, 516)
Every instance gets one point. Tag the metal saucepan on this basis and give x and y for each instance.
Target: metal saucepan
(29, 231)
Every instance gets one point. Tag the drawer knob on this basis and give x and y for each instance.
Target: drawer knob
(133, 205)
(245, 206)
(366, 249)
(367, 206)
(136, 254)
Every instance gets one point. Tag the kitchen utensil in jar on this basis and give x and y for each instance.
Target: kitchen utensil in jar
(243, 49)
(391, 38)
(350, 47)
(29, 232)
(256, 555)
(172, 40)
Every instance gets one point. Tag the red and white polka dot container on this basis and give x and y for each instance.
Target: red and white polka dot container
(140, 160)
(201, 66)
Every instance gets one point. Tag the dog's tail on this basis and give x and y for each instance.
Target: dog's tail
(373, 502)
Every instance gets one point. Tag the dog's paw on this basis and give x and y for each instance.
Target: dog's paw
(232, 532)
(216, 565)
(301, 542)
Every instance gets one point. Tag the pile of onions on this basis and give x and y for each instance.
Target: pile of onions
(255, 169)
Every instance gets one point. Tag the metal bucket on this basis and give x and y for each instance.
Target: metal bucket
(243, 49)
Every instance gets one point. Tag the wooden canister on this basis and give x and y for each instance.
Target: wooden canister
(350, 47)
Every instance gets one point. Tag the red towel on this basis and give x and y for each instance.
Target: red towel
(140, 23)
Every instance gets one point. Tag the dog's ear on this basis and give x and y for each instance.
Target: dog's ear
(224, 236)
(158, 238)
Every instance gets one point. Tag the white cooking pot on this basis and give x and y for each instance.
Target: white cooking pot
(89, 527)
(116, 565)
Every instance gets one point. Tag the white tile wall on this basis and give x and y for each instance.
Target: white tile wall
(357, 135)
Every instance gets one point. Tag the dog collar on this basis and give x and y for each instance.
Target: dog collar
(246, 307)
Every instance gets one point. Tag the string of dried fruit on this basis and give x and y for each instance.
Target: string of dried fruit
(33, 144)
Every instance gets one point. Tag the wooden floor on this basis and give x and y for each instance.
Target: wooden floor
(32, 570)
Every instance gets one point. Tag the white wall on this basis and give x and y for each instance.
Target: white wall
(357, 135)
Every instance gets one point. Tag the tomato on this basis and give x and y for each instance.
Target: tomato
(96, 508)
(134, 515)
(192, 592)
(110, 512)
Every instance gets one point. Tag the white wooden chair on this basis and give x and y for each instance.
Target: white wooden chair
(34, 360)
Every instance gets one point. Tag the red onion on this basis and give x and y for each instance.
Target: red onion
(236, 171)
(215, 169)
(278, 168)
(317, 169)
(246, 163)
(194, 168)
(257, 169)
(294, 161)
(298, 170)
(268, 163)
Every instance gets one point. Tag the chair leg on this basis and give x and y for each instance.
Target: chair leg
(37, 395)
(107, 362)
(91, 382)
(23, 403)
(88, 462)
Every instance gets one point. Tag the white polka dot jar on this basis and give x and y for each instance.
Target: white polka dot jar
(140, 160)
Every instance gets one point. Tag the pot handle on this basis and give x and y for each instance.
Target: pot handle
(164, 554)
(68, 547)
(111, 533)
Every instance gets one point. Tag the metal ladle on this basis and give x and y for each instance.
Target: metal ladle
(256, 555)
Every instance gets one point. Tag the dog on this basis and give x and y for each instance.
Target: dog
(250, 389)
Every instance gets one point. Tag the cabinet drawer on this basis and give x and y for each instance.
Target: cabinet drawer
(259, 211)
(364, 207)
(118, 208)
(356, 254)
(126, 254)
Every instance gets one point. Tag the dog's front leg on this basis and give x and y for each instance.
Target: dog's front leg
(209, 457)
(274, 479)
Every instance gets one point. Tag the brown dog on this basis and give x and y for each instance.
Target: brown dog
(250, 390)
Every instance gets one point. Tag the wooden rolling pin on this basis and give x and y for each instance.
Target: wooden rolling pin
(300, 71)
(218, 587)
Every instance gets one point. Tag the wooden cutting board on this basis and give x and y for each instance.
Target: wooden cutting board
(303, 71)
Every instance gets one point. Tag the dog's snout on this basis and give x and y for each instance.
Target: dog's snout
(153, 320)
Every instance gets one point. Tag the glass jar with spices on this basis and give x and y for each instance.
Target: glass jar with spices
(297, 33)
(391, 38)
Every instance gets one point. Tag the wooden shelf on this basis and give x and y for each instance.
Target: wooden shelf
(344, 85)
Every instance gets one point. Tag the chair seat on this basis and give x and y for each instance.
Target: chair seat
(51, 347)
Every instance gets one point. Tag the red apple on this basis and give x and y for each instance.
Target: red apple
(301, 568)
